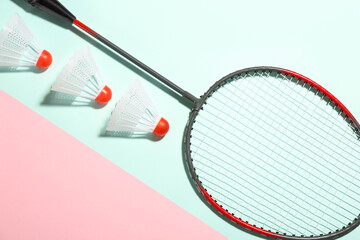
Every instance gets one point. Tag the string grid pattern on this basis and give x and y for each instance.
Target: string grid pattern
(18, 46)
(80, 77)
(134, 112)
(277, 153)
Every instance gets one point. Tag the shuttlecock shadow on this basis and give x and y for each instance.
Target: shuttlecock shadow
(61, 99)
(5, 69)
(130, 135)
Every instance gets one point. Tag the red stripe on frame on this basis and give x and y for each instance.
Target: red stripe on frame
(323, 90)
(235, 219)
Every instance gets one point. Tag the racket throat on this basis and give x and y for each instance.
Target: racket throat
(192, 98)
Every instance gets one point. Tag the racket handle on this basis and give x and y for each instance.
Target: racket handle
(53, 7)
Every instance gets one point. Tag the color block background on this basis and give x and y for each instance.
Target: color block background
(193, 43)
(72, 192)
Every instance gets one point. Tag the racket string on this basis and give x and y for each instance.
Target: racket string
(288, 138)
(313, 112)
(269, 195)
(249, 198)
(323, 138)
(261, 168)
(305, 125)
(256, 149)
(339, 153)
(301, 187)
(350, 152)
(328, 115)
(327, 162)
(258, 119)
(249, 217)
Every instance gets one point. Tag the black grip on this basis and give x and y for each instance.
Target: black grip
(53, 7)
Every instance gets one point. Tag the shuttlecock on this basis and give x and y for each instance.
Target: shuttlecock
(81, 78)
(19, 47)
(135, 113)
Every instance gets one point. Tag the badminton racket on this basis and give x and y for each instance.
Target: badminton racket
(267, 148)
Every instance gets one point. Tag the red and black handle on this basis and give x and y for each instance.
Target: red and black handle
(53, 7)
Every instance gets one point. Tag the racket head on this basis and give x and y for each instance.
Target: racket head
(215, 199)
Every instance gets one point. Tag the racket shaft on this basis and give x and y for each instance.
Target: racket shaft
(135, 61)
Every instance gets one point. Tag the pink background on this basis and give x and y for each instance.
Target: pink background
(54, 187)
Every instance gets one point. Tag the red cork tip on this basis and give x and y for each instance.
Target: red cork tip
(161, 128)
(104, 96)
(44, 60)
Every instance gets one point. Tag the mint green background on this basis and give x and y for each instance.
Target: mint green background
(193, 43)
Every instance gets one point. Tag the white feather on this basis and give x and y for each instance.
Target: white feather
(80, 77)
(134, 112)
(18, 46)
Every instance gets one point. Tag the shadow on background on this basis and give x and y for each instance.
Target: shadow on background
(21, 69)
(61, 99)
(142, 74)
(66, 25)
(148, 136)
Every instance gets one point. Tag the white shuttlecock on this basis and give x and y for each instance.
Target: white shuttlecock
(81, 78)
(135, 113)
(19, 47)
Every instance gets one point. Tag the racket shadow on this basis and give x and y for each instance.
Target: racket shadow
(29, 9)
(203, 199)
